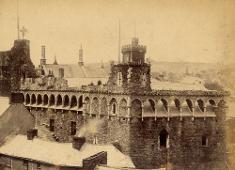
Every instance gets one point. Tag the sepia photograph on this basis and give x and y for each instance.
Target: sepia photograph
(117, 85)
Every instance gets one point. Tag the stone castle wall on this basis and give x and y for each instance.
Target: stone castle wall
(140, 139)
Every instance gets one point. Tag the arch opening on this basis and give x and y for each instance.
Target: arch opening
(33, 99)
(52, 100)
(190, 104)
(45, 99)
(201, 105)
(136, 108)
(66, 100)
(163, 139)
(177, 104)
(74, 102)
(123, 108)
(165, 104)
(27, 99)
(39, 99)
(113, 105)
(87, 105)
(80, 101)
(59, 100)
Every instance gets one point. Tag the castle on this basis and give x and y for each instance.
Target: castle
(156, 128)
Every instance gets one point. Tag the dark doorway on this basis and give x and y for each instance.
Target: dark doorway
(163, 137)
(52, 125)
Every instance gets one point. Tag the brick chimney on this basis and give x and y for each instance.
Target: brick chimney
(78, 142)
(31, 133)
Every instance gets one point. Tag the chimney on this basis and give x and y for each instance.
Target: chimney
(31, 133)
(43, 55)
(81, 62)
(78, 142)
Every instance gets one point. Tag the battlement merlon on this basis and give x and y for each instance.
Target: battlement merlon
(129, 48)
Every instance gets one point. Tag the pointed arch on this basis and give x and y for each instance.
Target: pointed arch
(59, 100)
(136, 108)
(39, 99)
(80, 101)
(211, 104)
(27, 99)
(66, 101)
(45, 99)
(33, 99)
(190, 104)
(52, 100)
(149, 107)
(123, 108)
(113, 106)
(74, 101)
(201, 105)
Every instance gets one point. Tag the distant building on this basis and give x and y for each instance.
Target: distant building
(76, 74)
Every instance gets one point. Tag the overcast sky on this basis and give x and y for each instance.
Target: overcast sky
(181, 30)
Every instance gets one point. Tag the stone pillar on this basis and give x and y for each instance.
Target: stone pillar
(155, 113)
(168, 113)
(142, 111)
(193, 113)
(128, 113)
(108, 110)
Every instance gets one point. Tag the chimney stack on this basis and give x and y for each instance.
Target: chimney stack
(31, 133)
(78, 142)
(43, 55)
(81, 62)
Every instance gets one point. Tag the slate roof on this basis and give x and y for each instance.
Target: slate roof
(78, 71)
(62, 154)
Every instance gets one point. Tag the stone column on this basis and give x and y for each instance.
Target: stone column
(142, 111)
(108, 110)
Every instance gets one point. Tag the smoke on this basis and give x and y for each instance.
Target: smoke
(91, 127)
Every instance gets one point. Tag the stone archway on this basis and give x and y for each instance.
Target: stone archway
(87, 105)
(27, 99)
(136, 108)
(39, 99)
(74, 102)
(113, 106)
(45, 99)
(123, 108)
(59, 100)
(52, 100)
(33, 99)
(66, 101)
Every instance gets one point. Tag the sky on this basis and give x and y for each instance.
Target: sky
(179, 30)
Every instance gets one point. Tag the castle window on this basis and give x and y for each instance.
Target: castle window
(73, 128)
(204, 141)
(163, 139)
(114, 108)
(52, 125)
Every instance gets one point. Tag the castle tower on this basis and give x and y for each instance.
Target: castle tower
(133, 73)
(80, 61)
(43, 55)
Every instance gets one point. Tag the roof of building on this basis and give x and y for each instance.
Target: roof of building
(62, 154)
(4, 103)
(77, 71)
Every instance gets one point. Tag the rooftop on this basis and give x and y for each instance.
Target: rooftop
(37, 150)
